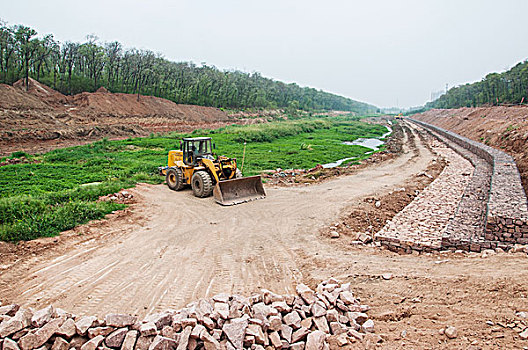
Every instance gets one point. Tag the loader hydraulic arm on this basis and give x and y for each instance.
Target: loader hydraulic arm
(212, 170)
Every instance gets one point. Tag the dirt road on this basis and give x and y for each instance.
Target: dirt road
(189, 247)
(174, 248)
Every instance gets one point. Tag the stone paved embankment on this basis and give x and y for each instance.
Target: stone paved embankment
(469, 221)
(505, 222)
(422, 224)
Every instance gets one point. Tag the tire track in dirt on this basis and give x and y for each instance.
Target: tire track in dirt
(188, 247)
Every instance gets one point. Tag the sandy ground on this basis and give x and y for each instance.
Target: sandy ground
(172, 248)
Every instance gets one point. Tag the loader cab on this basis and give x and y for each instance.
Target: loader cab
(195, 149)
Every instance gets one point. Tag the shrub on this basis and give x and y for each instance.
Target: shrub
(19, 154)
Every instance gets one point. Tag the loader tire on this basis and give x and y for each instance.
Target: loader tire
(238, 174)
(202, 184)
(174, 179)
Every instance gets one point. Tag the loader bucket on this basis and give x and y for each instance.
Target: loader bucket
(236, 191)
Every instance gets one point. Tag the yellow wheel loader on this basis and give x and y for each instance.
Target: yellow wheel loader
(196, 165)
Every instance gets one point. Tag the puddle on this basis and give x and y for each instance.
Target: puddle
(372, 143)
(337, 163)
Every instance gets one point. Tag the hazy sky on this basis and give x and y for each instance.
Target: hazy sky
(385, 52)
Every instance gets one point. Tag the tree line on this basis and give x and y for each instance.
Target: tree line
(510, 87)
(71, 68)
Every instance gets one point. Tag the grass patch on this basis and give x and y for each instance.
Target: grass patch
(46, 198)
(52, 219)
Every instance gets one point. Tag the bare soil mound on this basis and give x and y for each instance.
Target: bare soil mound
(119, 104)
(43, 92)
(102, 89)
(505, 128)
(13, 98)
(40, 118)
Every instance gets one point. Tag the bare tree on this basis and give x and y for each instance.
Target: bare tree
(27, 46)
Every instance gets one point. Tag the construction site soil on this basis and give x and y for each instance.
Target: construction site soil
(41, 119)
(161, 253)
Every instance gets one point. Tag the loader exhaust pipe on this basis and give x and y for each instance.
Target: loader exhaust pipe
(236, 191)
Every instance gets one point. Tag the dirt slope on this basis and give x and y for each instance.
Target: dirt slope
(42, 92)
(118, 104)
(505, 128)
(42, 118)
(12, 98)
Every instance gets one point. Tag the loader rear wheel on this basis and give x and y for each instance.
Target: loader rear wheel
(202, 184)
(174, 179)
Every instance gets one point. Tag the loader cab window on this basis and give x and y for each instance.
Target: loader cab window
(204, 146)
(195, 149)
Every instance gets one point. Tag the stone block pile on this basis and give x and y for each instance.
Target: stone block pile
(122, 196)
(328, 317)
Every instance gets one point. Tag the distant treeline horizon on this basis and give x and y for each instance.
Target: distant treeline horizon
(71, 67)
(510, 87)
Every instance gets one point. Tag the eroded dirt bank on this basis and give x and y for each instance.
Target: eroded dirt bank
(172, 248)
(42, 119)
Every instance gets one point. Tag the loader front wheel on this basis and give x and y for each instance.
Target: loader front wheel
(174, 179)
(202, 184)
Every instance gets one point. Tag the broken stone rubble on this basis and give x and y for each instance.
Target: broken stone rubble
(307, 320)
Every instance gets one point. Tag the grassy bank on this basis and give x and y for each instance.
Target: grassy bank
(61, 191)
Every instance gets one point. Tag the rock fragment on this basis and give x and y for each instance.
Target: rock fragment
(162, 343)
(67, 329)
(9, 310)
(292, 319)
(9, 344)
(119, 321)
(300, 334)
(315, 341)
(60, 344)
(21, 320)
(235, 331)
(368, 326)
(451, 332)
(93, 343)
(116, 338)
(42, 316)
(130, 341)
(84, 323)
(524, 334)
(306, 293)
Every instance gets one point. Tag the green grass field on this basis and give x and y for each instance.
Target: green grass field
(61, 191)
